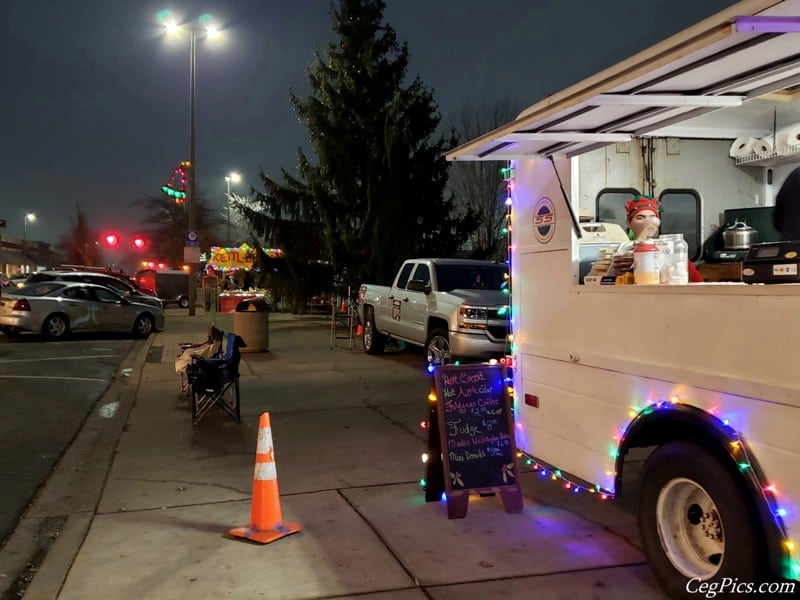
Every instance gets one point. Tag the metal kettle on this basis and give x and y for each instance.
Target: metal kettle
(739, 236)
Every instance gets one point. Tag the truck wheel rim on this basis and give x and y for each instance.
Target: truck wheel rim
(439, 351)
(690, 528)
(368, 334)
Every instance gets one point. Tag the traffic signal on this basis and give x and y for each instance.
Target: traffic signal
(111, 240)
(139, 242)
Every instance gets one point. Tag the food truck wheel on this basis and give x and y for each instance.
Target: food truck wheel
(437, 348)
(373, 340)
(694, 520)
(183, 302)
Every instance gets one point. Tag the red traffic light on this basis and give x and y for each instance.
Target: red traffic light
(111, 239)
(139, 242)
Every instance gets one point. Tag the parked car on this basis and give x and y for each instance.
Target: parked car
(170, 285)
(56, 308)
(116, 283)
(17, 280)
(105, 271)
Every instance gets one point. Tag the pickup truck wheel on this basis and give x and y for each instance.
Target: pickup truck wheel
(374, 341)
(437, 348)
(694, 520)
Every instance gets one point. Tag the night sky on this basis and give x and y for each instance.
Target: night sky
(95, 98)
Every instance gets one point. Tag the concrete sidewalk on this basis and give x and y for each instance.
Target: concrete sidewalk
(347, 445)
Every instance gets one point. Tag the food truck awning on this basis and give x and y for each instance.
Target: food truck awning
(744, 59)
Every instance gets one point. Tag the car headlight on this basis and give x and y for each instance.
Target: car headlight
(472, 317)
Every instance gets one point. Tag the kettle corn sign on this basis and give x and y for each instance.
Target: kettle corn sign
(226, 259)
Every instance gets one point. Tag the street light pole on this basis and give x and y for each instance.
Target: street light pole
(191, 197)
(28, 217)
(228, 212)
(203, 25)
(235, 178)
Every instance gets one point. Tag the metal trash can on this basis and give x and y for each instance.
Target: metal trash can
(251, 321)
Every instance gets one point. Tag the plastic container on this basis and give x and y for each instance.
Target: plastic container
(675, 259)
(646, 263)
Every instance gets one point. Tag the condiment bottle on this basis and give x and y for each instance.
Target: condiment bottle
(646, 263)
(675, 269)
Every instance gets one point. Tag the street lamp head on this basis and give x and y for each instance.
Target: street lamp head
(168, 20)
(235, 177)
(30, 217)
(173, 26)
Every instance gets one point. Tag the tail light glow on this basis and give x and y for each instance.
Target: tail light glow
(22, 304)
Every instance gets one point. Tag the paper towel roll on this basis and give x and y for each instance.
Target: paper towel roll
(763, 147)
(742, 146)
(787, 139)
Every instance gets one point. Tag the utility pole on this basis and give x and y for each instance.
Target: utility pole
(192, 197)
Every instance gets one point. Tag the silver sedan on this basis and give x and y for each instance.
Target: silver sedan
(55, 308)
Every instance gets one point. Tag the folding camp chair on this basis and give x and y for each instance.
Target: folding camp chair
(215, 381)
(210, 348)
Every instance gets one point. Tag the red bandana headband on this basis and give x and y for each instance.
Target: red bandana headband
(640, 203)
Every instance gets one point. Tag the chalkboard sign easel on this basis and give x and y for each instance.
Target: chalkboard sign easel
(475, 432)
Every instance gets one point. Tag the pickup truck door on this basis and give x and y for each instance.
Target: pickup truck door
(385, 313)
(416, 308)
(396, 315)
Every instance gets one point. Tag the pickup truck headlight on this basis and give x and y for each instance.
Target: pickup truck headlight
(470, 317)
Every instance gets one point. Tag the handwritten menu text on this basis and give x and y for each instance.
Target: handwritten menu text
(475, 422)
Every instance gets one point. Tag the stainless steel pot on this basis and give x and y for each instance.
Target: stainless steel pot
(739, 236)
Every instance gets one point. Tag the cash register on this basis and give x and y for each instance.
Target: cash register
(772, 262)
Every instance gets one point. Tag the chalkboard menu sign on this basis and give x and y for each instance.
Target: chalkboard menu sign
(476, 433)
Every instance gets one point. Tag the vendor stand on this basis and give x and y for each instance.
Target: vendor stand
(225, 263)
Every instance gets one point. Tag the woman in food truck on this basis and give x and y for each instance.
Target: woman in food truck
(643, 221)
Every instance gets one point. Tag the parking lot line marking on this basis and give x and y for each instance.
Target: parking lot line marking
(21, 360)
(50, 377)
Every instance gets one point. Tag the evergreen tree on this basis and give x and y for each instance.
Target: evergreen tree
(375, 195)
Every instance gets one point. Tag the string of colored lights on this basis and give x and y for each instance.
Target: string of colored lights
(738, 449)
(176, 185)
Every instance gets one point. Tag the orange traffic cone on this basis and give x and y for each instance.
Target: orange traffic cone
(344, 306)
(359, 330)
(266, 524)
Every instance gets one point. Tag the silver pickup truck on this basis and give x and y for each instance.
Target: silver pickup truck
(454, 308)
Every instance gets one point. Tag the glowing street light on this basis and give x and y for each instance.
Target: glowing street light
(232, 178)
(29, 217)
(205, 28)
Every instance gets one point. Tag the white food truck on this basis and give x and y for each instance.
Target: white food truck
(704, 374)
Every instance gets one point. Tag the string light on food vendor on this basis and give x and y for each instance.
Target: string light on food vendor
(739, 454)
